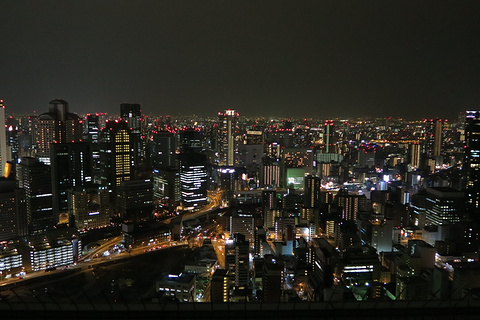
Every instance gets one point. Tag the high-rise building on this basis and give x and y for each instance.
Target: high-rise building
(272, 173)
(132, 114)
(226, 136)
(13, 216)
(272, 281)
(219, 286)
(135, 200)
(58, 125)
(243, 223)
(71, 168)
(89, 208)
(116, 155)
(415, 153)
(191, 140)
(237, 260)
(166, 189)
(471, 165)
(193, 180)
(5, 153)
(351, 204)
(163, 150)
(444, 206)
(35, 178)
(92, 131)
(328, 136)
(312, 191)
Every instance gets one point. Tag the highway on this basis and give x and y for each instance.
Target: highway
(96, 256)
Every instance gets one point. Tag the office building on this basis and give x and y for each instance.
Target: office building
(227, 137)
(116, 155)
(444, 206)
(35, 178)
(71, 167)
(193, 180)
(92, 132)
(178, 286)
(243, 223)
(166, 189)
(471, 165)
(219, 286)
(237, 260)
(312, 192)
(131, 113)
(272, 280)
(135, 200)
(163, 149)
(89, 208)
(58, 125)
(13, 215)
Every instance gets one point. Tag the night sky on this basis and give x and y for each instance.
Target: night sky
(268, 58)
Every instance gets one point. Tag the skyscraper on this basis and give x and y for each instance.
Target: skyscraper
(328, 137)
(116, 155)
(58, 125)
(132, 114)
(163, 150)
(35, 178)
(13, 218)
(193, 180)
(71, 169)
(471, 165)
(312, 191)
(226, 136)
(236, 260)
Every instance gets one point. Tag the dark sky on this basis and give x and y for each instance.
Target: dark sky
(269, 58)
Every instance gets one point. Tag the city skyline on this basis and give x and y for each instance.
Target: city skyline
(323, 59)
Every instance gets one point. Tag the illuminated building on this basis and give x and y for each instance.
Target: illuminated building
(35, 178)
(92, 132)
(243, 223)
(227, 137)
(193, 180)
(237, 260)
(11, 263)
(177, 285)
(5, 153)
(55, 249)
(132, 114)
(471, 165)
(351, 204)
(415, 154)
(328, 136)
(58, 125)
(444, 206)
(163, 150)
(89, 208)
(272, 281)
(166, 188)
(135, 200)
(116, 155)
(272, 172)
(219, 286)
(13, 216)
(71, 168)
(312, 192)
